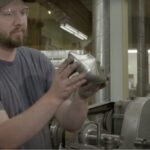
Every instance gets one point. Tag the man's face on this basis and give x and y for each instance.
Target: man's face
(13, 24)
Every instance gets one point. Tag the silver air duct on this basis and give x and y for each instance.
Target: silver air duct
(101, 41)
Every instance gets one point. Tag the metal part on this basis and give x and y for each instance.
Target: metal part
(57, 135)
(88, 134)
(87, 63)
(142, 143)
(118, 115)
(109, 141)
(100, 108)
(99, 130)
(81, 146)
(91, 131)
(105, 112)
(136, 123)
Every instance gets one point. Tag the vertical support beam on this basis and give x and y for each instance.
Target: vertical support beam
(119, 49)
(142, 55)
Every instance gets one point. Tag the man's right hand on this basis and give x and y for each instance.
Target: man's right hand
(63, 86)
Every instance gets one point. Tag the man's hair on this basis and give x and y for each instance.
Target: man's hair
(4, 2)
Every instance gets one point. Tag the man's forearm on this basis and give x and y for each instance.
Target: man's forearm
(16, 131)
(72, 114)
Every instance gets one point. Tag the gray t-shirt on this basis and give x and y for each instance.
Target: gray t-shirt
(22, 83)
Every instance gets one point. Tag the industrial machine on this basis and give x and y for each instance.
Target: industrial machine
(112, 125)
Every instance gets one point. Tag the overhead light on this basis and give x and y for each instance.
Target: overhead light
(49, 12)
(134, 51)
(73, 31)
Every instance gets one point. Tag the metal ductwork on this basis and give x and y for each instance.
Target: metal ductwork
(101, 41)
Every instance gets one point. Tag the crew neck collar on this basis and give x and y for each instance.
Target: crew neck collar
(5, 62)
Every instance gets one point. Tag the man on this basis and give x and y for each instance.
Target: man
(30, 95)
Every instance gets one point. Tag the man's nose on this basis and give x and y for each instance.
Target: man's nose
(18, 19)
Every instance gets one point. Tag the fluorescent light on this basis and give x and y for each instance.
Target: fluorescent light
(69, 27)
(79, 36)
(134, 51)
(83, 35)
(73, 31)
(66, 29)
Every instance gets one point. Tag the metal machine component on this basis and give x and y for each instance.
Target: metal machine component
(81, 146)
(87, 63)
(91, 131)
(136, 123)
(118, 115)
(109, 141)
(103, 113)
(89, 134)
(57, 135)
(142, 143)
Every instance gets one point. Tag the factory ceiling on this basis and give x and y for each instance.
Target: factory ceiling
(79, 15)
(75, 12)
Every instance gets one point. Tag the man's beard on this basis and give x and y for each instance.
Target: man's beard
(9, 42)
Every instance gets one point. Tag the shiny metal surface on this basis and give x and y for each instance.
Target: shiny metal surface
(81, 146)
(57, 134)
(88, 135)
(136, 123)
(87, 63)
(109, 141)
(142, 143)
(101, 41)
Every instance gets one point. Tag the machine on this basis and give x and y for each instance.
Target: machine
(112, 125)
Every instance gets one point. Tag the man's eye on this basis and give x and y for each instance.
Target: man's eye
(7, 13)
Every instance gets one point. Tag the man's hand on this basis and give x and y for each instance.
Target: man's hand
(89, 89)
(63, 86)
